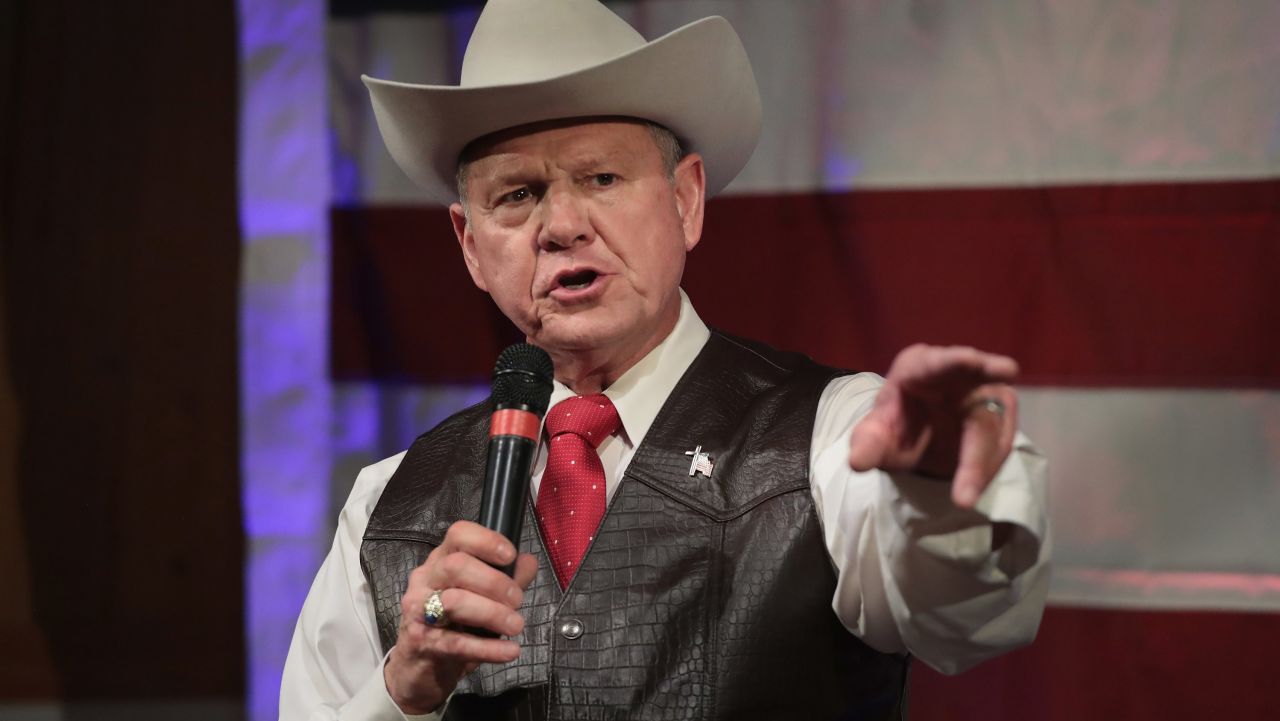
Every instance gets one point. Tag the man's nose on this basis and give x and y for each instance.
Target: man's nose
(566, 221)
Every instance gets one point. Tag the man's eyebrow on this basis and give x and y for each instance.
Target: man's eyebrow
(508, 170)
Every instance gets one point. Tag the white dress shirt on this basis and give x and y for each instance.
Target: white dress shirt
(914, 573)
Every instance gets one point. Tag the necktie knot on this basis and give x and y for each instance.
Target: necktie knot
(593, 418)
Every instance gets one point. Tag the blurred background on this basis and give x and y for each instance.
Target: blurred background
(219, 299)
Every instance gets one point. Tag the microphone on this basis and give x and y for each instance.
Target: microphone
(521, 391)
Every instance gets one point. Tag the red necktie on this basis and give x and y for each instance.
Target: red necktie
(571, 497)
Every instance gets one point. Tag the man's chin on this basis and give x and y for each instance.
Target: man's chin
(577, 343)
(577, 335)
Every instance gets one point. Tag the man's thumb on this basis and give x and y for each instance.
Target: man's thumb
(867, 445)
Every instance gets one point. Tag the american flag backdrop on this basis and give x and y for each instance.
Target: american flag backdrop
(1092, 187)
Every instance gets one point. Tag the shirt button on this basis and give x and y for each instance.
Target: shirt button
(571, 629)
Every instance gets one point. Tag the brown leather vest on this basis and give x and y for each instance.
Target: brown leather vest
(699, 598)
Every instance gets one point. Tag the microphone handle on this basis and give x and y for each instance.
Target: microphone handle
(506, 488)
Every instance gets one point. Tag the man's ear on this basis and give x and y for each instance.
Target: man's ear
(467, 241)
(691, 196)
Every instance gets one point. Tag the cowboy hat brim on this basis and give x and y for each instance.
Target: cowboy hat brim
(696, 81)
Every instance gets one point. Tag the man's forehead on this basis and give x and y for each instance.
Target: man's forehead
(611, 136)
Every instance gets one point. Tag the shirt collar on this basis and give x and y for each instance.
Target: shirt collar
(640, 393)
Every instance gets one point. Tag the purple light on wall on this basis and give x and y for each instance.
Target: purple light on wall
(303, 439)
(462, 21)
(840, 170)
(285, 393)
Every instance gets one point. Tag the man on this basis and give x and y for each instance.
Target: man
(732, 532)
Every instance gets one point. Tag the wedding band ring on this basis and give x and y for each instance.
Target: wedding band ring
(991, 405)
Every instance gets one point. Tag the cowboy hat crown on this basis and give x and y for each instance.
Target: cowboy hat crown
(530, 61)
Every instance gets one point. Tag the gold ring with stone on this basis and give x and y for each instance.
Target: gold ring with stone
(433, 611)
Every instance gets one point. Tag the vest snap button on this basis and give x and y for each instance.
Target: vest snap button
(571, 629)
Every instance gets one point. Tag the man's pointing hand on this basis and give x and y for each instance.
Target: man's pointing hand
(945, 412)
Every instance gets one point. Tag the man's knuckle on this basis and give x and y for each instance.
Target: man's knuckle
(451, 598)
(454, 564)
(418, 576)
(452, 644)
(413, 636)
(458, 530)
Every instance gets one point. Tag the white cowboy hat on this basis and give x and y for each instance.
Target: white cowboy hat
(533, 60)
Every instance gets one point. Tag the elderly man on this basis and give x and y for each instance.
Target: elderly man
(717, 529)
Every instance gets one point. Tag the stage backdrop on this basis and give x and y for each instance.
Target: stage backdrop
(1092, 187)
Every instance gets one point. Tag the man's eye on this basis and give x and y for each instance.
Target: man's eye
(515, 196)
(604, 179)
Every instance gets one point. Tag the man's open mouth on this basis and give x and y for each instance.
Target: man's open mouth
(579, 280)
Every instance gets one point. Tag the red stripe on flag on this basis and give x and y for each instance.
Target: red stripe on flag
(1132, 665)
(1128, 285)
(403, 305)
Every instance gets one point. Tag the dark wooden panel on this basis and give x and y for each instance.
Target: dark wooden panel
(120, 262)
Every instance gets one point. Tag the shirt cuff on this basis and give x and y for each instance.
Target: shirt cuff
(923, 509)
(373, 702)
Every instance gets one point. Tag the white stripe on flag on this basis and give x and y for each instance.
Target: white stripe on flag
(1161, 498)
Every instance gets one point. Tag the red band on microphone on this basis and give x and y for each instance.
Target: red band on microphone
(513, 422)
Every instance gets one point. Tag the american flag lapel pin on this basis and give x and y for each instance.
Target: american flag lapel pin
(701, 462)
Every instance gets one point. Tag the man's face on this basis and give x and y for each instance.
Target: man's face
(579, 235)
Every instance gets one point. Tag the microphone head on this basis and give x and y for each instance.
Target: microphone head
(522, 379)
